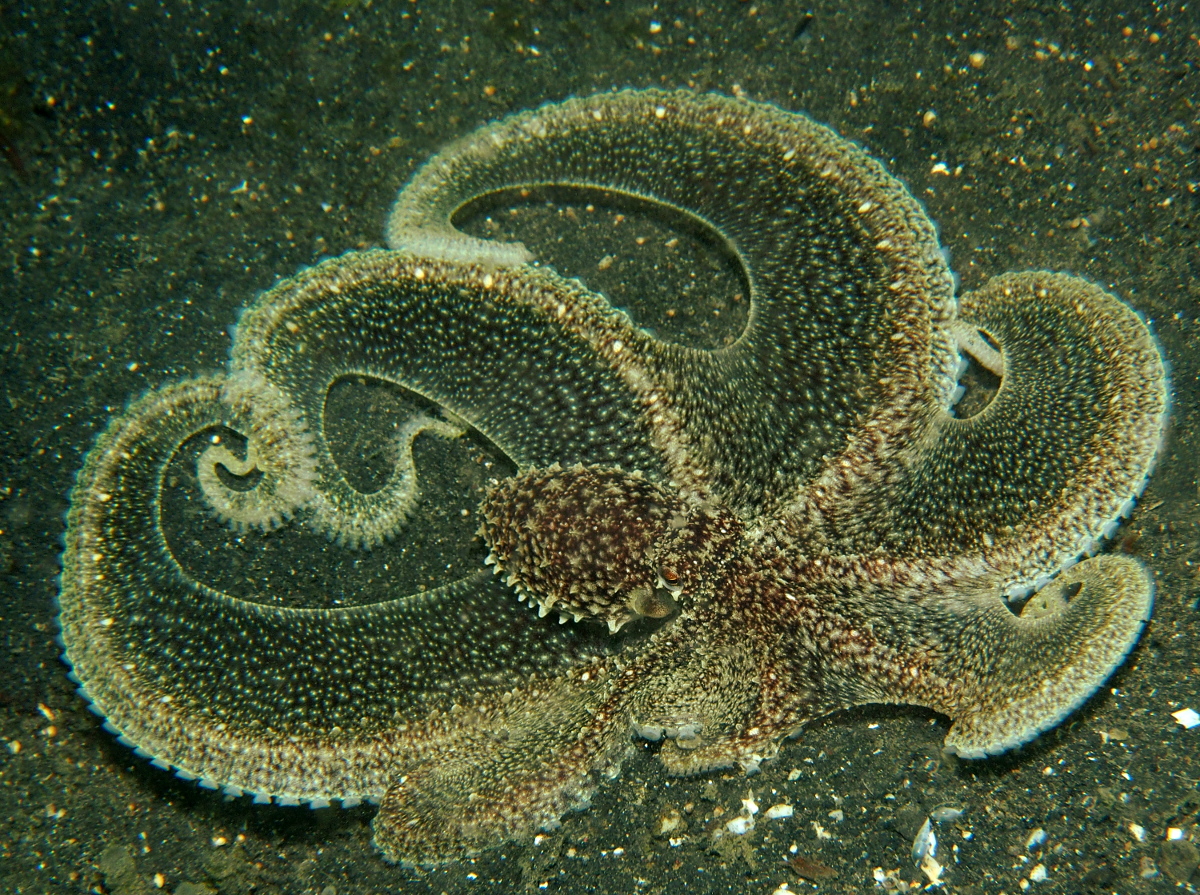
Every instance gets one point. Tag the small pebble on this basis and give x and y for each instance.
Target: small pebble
(740, 825)
(1178, 859)
(669, 823)
(194, 889)
(1187, 717)
(945, 814)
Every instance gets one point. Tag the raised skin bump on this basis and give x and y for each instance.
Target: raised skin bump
(593, 542)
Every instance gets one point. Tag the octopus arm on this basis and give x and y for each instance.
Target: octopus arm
(1046, 471)
(283, 703)
(850, 295)
(1004, 678)
(502, 769)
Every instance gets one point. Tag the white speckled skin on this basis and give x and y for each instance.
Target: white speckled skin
(795, 521)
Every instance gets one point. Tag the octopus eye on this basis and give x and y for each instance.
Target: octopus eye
(669, 575)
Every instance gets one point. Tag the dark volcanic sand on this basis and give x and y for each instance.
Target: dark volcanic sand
(161, 165)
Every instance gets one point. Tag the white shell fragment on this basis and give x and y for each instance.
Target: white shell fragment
(777, 811)
(740, 825)
(744, 822)
(925, 844)
(1187, 717)
(932, 870)
(945, 814)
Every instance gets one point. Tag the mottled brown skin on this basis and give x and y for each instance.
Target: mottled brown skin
(765, 639)
(603, 544)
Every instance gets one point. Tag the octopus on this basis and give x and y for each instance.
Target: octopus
(705, 547)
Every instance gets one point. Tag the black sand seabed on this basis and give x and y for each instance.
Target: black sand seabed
(163, 163)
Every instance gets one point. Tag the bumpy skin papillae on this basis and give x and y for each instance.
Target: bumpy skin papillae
(599, 543)
(796, 522)
(849, 292)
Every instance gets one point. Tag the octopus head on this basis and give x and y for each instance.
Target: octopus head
(601, 543)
